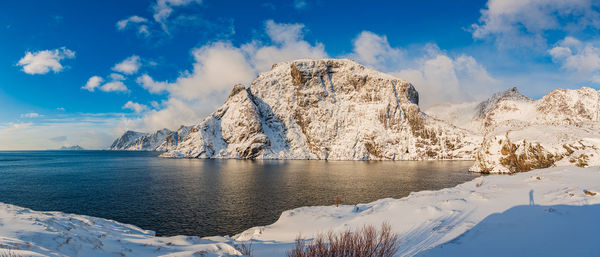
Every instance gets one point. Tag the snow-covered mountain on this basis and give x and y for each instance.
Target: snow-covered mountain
(520, 134)
(126, 140)
(330, 109)
(161, 140)
(336, 109)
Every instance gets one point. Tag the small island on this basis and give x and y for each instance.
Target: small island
(71, 148)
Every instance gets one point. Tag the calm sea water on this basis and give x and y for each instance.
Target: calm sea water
(204, 197)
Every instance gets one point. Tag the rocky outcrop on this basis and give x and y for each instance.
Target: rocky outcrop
(521, 134)
(560, 129)
(324, 109)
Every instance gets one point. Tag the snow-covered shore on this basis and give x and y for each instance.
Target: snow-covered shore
(544, 212)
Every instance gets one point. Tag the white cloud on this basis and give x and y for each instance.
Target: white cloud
(117, 76)
(136, 107)
(287, 44)
(217, 68)
(122, 24)
(92, 83)
(20, 125)
(42, 62)
(140, 23)
(580, 57)
(92, 131)
(62, 109)
(513, 23)
(30, 115)
(300, 4)
(152, 86)
(164, 8)
(59, 138)
(375, 50)
(114, 86)
(438, 77)
(284, 33)
(129, 66)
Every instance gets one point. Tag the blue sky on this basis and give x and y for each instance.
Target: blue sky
(81, 72)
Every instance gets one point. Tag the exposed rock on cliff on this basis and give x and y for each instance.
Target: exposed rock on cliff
(324, 109)
(161, 140)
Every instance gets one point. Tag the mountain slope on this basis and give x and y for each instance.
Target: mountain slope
(559, 129)
(161, 140)
(324, 109)
(521, 134)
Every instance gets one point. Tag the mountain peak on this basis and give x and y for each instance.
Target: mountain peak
(511, 94)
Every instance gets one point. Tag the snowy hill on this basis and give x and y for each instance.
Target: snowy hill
(330, 109)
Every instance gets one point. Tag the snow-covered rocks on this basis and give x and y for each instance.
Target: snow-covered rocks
(520, 134)
(560, 129)
(330, 109)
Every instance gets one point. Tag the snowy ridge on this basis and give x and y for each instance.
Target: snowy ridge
(520, 134)
(161, 140)
(560, 129)
(331, 109)
(336, 109)
(547, 212)
(125, 141)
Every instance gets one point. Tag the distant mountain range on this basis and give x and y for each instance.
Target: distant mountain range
(71, 148)
(336, 109)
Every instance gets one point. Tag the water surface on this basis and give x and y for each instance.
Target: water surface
(204, 197)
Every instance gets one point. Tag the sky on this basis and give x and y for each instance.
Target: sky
(83, 72)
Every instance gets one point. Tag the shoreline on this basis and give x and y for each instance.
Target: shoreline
(423, 220)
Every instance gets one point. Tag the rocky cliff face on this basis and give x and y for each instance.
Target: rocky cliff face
(339, 110)
(559, 129)
(324, 109)
(126, 140)
(521, 134)
(161, 140)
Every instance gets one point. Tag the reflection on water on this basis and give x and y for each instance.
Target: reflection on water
(205, 197)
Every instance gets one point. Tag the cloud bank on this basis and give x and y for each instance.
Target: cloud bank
(217, 67)
(524, 23)
(438, 76)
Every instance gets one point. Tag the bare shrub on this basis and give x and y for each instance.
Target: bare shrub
(337, 201)
(245, 248)
(365, 242)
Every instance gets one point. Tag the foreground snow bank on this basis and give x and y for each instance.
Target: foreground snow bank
(515, 214)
